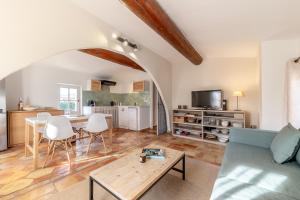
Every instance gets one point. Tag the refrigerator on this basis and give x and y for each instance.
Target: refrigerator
(3, 121)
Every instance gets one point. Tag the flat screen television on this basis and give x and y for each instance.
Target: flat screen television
(208, 99)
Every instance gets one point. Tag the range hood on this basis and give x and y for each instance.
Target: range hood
(108, 83)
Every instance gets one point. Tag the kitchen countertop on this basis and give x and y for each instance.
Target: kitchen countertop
(36, 110)
(118, 106)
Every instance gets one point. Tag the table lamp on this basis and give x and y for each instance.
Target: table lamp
(237, 94)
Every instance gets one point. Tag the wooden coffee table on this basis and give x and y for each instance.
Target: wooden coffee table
(127, 178)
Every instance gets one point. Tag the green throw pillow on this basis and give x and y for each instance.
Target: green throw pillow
(286, 144)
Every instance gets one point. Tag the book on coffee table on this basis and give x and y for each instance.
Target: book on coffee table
(154, 153)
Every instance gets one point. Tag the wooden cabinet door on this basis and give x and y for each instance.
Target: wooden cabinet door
(95, 85)
(138, 86)
(133, 118)
(16, 124)
(123, 117)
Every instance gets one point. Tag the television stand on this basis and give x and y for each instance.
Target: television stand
(206, 125)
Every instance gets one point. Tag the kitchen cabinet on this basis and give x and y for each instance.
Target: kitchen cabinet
(94, 85)
(113, 110)
(16, 123)
(123, 117)
(134, 117)
(141, 86)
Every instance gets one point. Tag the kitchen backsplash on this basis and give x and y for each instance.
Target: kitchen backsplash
(104, 98)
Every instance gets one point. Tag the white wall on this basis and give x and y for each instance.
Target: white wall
(36, 29)
(38, 85)
(274, 57)
(228, 74)
(2, 95)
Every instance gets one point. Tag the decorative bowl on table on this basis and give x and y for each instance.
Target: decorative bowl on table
(191, 120)
(29, 108)
(214, 131)
(225, 131)
(223, 138)
(237, 125)
(225, 123)
(210, 136)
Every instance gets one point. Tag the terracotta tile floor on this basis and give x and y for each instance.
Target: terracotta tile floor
(18, 180)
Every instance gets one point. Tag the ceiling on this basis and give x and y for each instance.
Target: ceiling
(216, 28)
(82, 62)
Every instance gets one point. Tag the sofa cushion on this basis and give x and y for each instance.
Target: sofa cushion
(285, 144)
(255, 166)
(255, 137)
(230, 189)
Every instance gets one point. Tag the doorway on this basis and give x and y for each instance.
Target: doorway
(159, 120)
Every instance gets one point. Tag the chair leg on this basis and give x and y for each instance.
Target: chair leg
(82, 136)
(49, 143)
(53, 150)
(70, 144)
(67, 151)
(90, 142)
(50, 146)
(41, 139)
(103, 143)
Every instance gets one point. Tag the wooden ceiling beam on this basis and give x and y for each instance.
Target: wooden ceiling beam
(112, 57)
(153, 14)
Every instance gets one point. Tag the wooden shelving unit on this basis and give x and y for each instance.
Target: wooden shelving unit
(210, 126)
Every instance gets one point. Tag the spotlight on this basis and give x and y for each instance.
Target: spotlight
(135, 49)
(125, 43)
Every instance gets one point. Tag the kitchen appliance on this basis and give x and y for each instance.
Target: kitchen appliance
(108, 83)
(3, 121)
(92, 103)
(208, 99)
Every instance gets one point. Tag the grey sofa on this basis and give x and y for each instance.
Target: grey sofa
(249, 172)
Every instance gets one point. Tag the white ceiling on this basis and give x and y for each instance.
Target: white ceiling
(97, 67)
(216, 28)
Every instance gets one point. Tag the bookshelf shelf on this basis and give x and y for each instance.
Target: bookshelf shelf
(206, 125)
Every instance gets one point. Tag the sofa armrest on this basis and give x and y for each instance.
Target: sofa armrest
(255, 137)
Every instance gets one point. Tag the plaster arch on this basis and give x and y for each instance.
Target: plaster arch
(37, 29)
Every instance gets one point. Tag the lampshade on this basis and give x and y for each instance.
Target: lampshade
(238, 94)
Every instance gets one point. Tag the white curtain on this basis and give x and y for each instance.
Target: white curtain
(293, 93)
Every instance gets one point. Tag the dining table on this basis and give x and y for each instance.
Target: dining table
(32, 133)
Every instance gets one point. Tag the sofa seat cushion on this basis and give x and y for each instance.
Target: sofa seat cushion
(255, 166)
(230, 189)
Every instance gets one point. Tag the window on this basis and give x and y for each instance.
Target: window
(69, 99)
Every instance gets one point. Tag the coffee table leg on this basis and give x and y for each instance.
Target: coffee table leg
(91, 189)
(183, 167)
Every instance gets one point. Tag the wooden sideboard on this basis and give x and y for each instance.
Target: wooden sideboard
(16, 123)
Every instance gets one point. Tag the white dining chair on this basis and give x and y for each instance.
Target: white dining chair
(95, 127)
(42, 116)
(58, 131)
